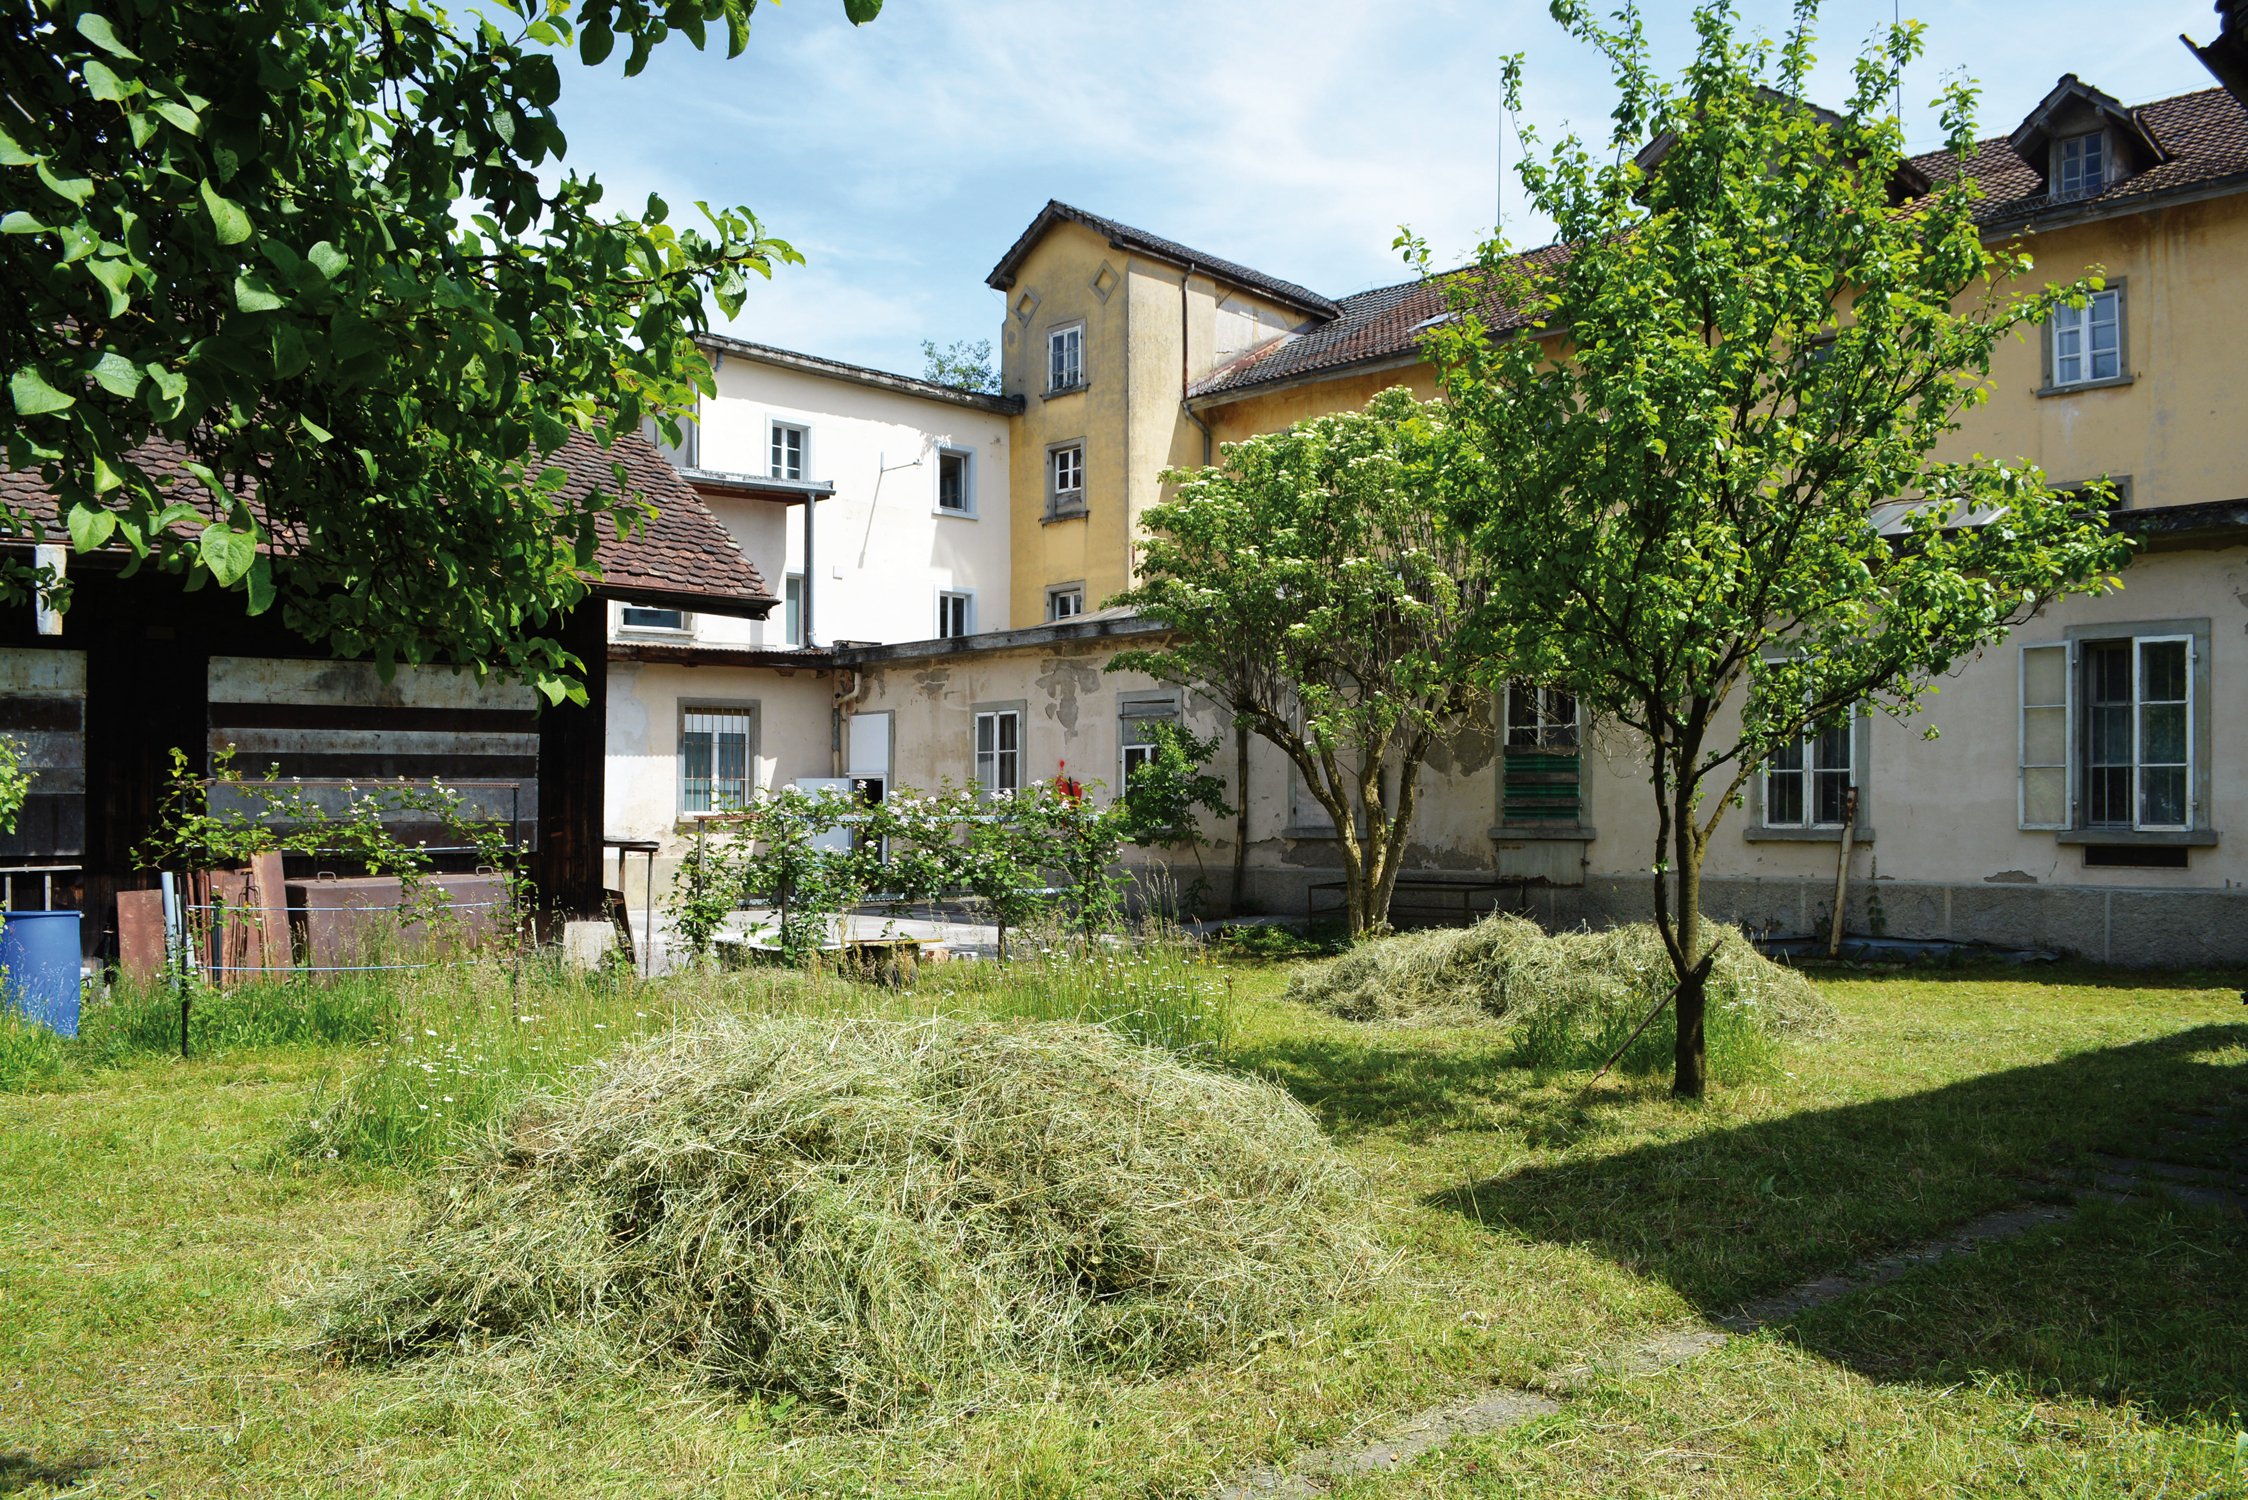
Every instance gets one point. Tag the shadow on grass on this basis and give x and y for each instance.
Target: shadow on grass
(1419, 1088)
(1726, 1215)
(20, 1471)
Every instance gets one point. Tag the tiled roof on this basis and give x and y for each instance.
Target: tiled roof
(2204, 138)
(680, 553)
(1300, 297)
(1385, 324)
(835, 369)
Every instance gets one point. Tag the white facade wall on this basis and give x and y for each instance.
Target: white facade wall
(882, 551)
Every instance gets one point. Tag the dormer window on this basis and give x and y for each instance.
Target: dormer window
(2080, 164)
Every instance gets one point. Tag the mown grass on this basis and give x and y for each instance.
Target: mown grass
(154, 1244)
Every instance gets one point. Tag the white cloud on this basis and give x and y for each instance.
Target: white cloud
(1296, 135)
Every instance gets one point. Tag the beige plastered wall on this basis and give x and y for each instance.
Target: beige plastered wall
(794, 738)
(1142, 349)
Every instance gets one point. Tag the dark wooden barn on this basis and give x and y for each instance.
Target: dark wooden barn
(140, 666)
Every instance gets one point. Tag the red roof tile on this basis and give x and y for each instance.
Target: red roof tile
(2204, 138)
(682, 552)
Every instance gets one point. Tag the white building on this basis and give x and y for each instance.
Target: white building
(876, 508)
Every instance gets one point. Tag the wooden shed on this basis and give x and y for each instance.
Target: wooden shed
(141, 666)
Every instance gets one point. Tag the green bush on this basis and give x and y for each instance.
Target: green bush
(880, 1216)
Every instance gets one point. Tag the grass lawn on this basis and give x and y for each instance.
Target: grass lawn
(154, 1238)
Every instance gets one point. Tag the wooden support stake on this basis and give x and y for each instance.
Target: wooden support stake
(1842, 871)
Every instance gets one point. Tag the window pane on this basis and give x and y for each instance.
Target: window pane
(2045, 794)
(1832, 748)
(2162, 796)
(2045, 676)
(1783, 799)
(694, 769)
(952, 481)
(2162, 671)
(1833, 799)
(1009, 728)
(1789, 757)
(2162, 734)
(2044, 736)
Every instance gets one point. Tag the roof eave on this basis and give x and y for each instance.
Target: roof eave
(701, 601)
(2045, 219)
(832, 369)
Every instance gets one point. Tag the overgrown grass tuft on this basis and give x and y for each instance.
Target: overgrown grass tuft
(1569, 998)
(459, 1047)
(880, 1216)
(1156, 990)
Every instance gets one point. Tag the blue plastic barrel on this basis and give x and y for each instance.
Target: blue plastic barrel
(39, 954)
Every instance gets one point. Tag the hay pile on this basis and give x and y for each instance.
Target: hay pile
(880, 1215)
(1512, 970)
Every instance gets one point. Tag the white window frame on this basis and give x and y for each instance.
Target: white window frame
(1547, 732)
(2138, 706)
(775, 467)
(1055, 614)
(1064, 499)
(965, 599)
(2087, 182)
(1810, 770)
(682, 623)
(1065, 375)
(996, 768)
(2137, 637)
(2080, 327)
(1133, 715)
(2024, 766)
(967, 457)
(709, 719)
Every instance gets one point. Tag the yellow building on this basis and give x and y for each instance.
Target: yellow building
(2027, 822)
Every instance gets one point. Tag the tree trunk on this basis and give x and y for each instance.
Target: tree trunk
(1240, 817)
(1691, 1057)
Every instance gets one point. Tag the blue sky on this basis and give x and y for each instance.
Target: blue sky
(902, 158)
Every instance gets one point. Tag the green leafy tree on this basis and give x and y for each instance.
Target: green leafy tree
(1166, 796)
(328, 250)
(1309, 587)
(1082, 836)
(15, 782)
(1681, 474)
(964, 364)
(788, 864)
(1002, 858)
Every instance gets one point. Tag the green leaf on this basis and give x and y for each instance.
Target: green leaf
(227, 553)
(16, 221)
(76, 189)
(13, 155)
(179, 114)
(91, 526)
(96, 29)
(862, 11)
(227, 219)
(114, 373)
(102, 81)
(595, 43)
(318, 433)
(33, 396)
(328, 259)
(261, 589)
(254, 294)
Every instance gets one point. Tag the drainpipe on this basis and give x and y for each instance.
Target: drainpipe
(850, 692)
(811, 571)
